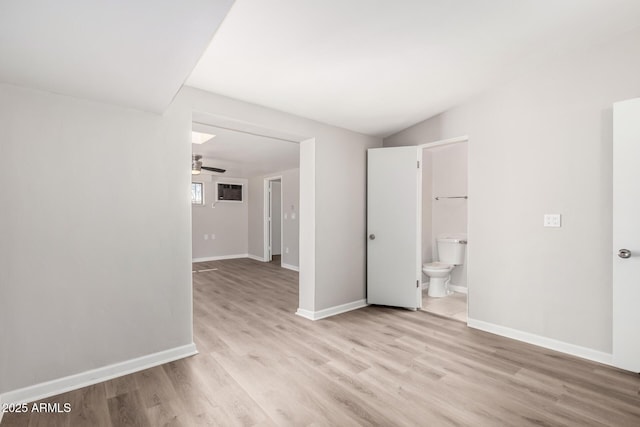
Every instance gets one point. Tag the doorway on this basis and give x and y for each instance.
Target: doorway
(444, 222)
(273, 219)
(396, 245)
(251, 152)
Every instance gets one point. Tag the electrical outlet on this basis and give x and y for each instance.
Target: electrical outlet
(206, 237)
(213, 237)
(293, 215)
(286, 250)
(552, 220)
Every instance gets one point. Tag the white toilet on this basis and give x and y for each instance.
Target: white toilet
(450, 254)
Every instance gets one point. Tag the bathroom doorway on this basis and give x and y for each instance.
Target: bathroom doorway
(445, 218)
(273, 219)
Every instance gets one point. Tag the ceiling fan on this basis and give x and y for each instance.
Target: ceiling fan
(196, 166)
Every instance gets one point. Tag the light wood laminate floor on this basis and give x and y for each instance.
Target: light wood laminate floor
(261, 365)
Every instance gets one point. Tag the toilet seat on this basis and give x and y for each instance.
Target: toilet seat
(437, 266)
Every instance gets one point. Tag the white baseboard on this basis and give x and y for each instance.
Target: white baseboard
(94, 376)
(289, 267)
(454, 288)
(219, 258)
(459, 289)
(331, 311)
(307, 314)
(563, 347)
(257, 258)
(1, 407)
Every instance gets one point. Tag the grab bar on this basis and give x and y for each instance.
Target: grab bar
(452, 197)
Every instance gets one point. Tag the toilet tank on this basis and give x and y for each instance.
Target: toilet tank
(451, 250)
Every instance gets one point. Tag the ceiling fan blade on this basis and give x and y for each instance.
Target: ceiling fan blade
(207, 168)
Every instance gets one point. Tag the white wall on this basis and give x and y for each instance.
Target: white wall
(427, 205)
(290, 188)
(256, 217)
(94, 256)
(290, 195)
(449, 173)
(228, 221)
(542, 144)
(307, 295)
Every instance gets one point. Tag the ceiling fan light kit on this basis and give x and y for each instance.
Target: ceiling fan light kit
(196, 164)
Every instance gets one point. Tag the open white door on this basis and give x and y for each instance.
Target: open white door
(270, 222)
(626, 235)
(394, 227)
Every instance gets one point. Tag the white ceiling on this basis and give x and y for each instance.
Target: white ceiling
(245, 155)
(131, 53)
(373, 66)
(379, 66)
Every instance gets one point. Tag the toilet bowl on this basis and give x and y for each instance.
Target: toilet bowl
(451, 254)
(439, 277)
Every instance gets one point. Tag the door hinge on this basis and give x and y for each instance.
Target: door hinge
(417, 283)
(418, 164)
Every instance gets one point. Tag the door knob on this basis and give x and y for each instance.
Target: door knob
(372, 237)
(624, 253)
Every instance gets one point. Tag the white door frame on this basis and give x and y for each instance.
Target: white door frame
(266, 216)
(442, 143)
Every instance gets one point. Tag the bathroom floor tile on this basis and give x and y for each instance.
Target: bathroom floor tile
(453, 306)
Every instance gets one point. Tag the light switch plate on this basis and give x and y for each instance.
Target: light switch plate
(552, 220)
